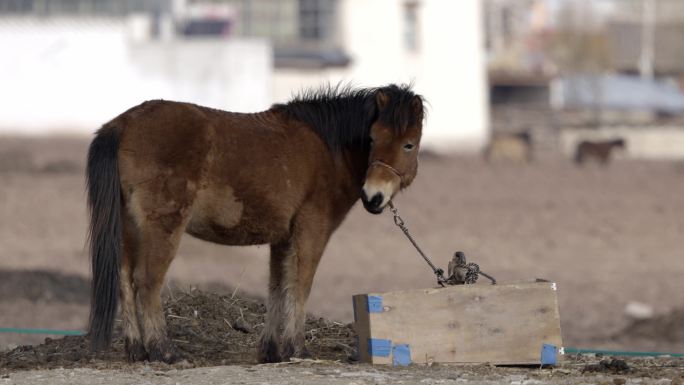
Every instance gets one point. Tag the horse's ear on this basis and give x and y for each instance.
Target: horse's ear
(417, 105)
(381, 99)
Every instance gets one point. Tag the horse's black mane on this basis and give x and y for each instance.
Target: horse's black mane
(343, 115)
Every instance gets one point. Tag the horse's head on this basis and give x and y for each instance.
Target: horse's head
(395, 139)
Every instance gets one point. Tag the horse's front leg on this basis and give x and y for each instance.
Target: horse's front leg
(293, 266)
(309, 242)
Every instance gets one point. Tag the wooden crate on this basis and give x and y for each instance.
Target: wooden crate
(516, 323)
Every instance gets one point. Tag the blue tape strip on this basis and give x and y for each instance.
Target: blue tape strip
(401, 355)
(379, 347)
(549, 354)
(374, 304)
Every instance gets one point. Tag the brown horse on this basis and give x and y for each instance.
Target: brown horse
(286, 176)
(597, 150)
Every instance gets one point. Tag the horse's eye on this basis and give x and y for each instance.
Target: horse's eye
(409, 146)
(372, 142)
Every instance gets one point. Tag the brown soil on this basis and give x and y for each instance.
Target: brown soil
(606, 235)
(208, 329)
(667, 327)
(43, 285)
(571, 372)
(216, 330)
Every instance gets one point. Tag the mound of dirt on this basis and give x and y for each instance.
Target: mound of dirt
(43, 285)
(58, 288)
(667, 327)
(208, 329)
(16, 160)
(47, 155)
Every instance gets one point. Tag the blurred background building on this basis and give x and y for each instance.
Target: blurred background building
(568, 70)
(555, 69)
(81, 62)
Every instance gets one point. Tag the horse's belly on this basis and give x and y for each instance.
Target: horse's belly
(237, 236)
(219, 217)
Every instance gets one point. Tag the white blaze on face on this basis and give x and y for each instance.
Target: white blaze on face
(386, 188)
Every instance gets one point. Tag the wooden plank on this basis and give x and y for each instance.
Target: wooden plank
(362, 326)
(500, 324)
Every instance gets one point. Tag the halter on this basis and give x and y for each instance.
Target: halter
(378, 162)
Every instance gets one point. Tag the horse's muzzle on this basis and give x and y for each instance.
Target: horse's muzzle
(372, 205)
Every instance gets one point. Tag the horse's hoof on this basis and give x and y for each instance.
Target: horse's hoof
(268, 352)
(303, 353)
(164, 352)
(290, 350)
(135, 351)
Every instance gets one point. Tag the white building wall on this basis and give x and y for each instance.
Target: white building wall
(454, 74)
(448, 68)
(73, 75)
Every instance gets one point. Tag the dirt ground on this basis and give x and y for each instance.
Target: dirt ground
(573, 371)
(208, 330)
(607, 235)
(217, 337)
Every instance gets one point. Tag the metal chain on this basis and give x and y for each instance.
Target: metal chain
(472, 269)
(400, 223)
(480, 272)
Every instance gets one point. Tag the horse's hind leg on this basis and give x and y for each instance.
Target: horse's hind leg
(160, 219)
(299, 276)
(131, 326)
(269, 346)
(157, 248)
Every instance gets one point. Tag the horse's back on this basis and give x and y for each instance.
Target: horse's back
(163, 146)
(222, 173)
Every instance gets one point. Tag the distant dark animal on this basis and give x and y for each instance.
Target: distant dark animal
(516, 147)
(599, 151)
(286, 177)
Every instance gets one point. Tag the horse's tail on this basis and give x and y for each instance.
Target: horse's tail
(104, 202)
